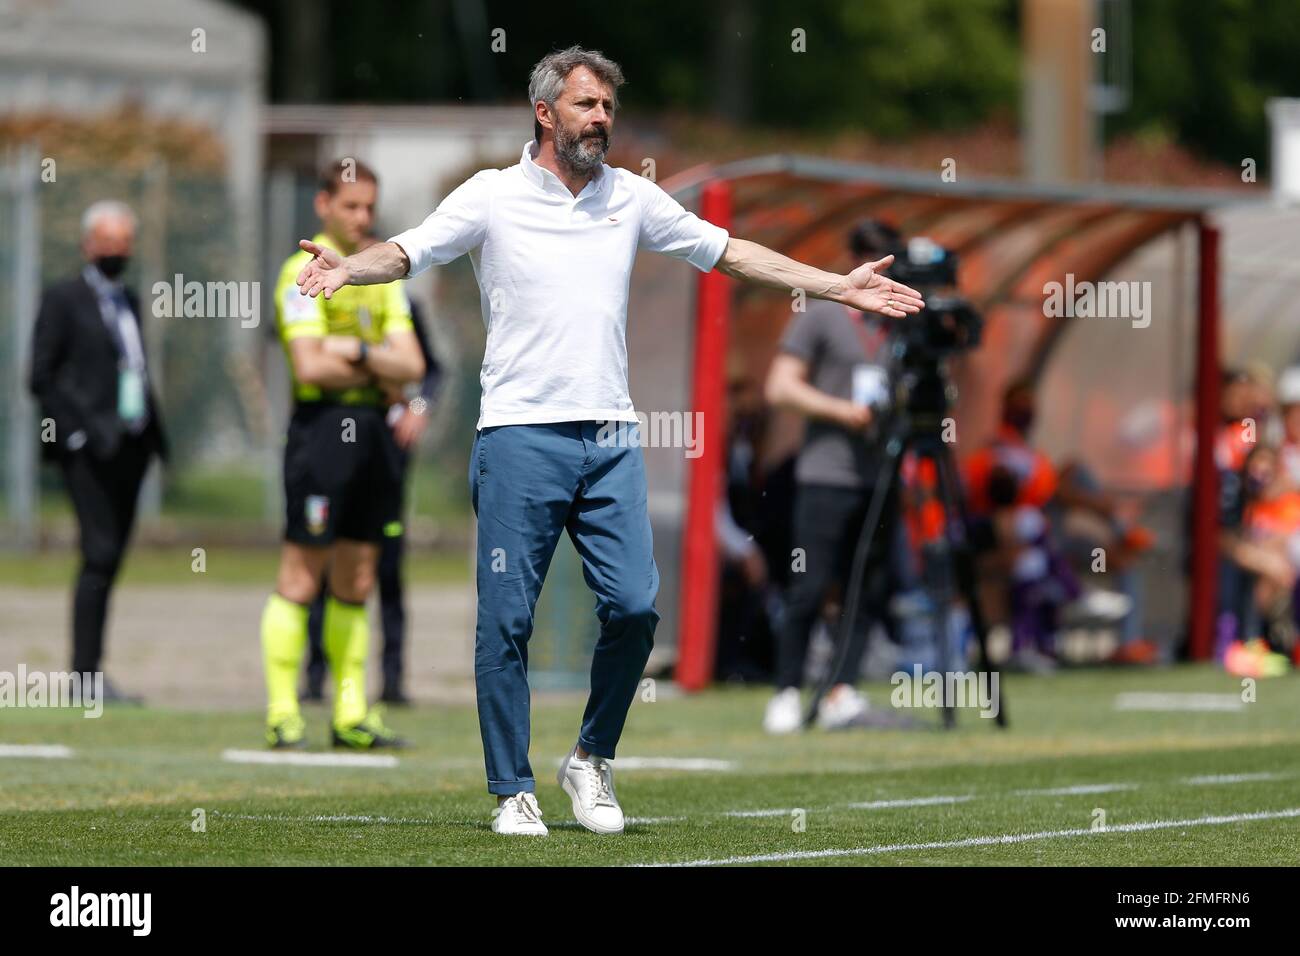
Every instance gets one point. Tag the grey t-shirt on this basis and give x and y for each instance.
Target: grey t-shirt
(841, 347)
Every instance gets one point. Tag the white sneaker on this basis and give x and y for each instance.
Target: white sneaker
(842, 707)
(1103, 607)
(590, 785)
(519, 816)
(784, 714)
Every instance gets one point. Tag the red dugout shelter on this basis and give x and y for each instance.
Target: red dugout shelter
(1012, 239)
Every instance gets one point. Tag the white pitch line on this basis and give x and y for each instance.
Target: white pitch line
(867, 805)
(932, 801)
(1077, 790)
(910, 802)
(997, 840)
(936, 800)
(41, 751)
(672, 763)
(319, 818)
(636, 821)
(1210, 779)
(403, 821)
(1219, 703)
(654, 821)
(940, 800)
(375, 761)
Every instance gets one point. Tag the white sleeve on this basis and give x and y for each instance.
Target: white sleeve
(454, 228)
(668, 228)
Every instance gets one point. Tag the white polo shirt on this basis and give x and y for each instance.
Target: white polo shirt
(553, 273)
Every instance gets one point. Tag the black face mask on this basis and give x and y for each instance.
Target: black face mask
(112, 266)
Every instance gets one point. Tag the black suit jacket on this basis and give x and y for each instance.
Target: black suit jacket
(74, 372)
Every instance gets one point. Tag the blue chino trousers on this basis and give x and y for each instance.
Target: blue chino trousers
(530, 483)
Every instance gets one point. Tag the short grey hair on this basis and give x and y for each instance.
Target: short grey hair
(547, 80)
(106, 209)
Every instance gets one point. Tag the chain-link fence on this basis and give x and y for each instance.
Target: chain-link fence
(184, 237)
(220, 373)
(222, 381)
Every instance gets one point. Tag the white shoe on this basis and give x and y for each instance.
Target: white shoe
(590, 785)
(784, 714)
(519, 816)
(842, 707)
(1103, 607)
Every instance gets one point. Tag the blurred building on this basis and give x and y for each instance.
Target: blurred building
(158, 105)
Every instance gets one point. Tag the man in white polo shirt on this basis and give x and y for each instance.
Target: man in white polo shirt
(552, 241)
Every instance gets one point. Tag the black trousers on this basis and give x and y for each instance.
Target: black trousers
(392, 609)
(827, 523)
(104, 493)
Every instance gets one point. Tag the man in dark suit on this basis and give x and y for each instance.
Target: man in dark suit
(91, 377)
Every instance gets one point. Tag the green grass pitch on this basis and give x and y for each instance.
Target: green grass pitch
(1216, 787)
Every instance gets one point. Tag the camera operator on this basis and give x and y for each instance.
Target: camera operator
(832, 370)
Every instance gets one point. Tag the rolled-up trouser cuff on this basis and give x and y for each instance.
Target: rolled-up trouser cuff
(596, 747)
(508, 788)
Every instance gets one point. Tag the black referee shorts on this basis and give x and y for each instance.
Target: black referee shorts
(342, 475)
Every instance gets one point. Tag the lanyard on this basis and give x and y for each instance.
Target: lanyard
(870, 334)
(118, 319)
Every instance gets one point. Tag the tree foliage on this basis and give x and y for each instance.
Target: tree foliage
(1202, 69)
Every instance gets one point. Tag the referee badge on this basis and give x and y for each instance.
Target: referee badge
(318, 513)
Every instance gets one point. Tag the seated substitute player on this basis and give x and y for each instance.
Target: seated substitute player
(341, 484)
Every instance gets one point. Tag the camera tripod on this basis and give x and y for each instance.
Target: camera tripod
(948, 565)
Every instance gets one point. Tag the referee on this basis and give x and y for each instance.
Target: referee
(342, 481)
(553, 240)
(407, 421)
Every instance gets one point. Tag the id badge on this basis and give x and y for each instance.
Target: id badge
(130, 394)
(870, 386)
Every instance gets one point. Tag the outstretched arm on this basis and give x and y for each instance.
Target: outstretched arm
(865, 288)
(328, 271)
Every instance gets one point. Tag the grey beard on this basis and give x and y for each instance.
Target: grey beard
(583, 156)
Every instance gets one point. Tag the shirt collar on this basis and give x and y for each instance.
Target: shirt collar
(546, 180)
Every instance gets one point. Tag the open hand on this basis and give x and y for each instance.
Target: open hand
(870, 291)
(408, 429)
(325, 273)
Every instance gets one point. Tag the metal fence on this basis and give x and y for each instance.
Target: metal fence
(185, 235)
(223, 385)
